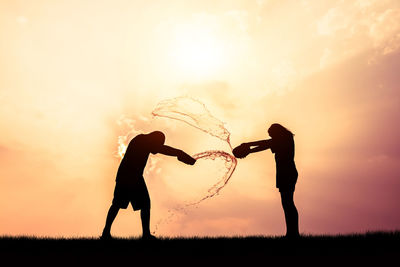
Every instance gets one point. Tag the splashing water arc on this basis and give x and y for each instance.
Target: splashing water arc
(230, 165)
(194, 113)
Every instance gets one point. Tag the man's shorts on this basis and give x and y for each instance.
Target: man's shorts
(136, 193)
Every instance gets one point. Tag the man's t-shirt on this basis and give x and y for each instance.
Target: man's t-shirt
(134, 161)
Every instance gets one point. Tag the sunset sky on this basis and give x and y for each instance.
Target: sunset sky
(76, 76)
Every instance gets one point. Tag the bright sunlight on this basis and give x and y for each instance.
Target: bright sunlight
(196, 51)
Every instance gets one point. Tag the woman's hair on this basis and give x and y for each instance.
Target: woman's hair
(278, 131)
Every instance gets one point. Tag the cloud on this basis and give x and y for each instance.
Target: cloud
(334, 20)
(385, 31)
(351, 28)
(281, 78)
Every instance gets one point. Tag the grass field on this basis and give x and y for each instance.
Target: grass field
(375, 248)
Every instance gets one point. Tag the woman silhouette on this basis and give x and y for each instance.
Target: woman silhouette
(282, 144)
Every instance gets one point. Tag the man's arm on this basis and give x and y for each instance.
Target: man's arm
(169, 151)
(182, 156)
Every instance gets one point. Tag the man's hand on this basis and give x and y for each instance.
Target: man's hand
(185, 158)
(241, 151)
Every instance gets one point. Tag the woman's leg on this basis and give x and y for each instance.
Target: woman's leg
(145, 216)
(291, 214)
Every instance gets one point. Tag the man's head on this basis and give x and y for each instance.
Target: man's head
(156, 140)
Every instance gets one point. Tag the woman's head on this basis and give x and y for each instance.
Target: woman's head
(278, 131)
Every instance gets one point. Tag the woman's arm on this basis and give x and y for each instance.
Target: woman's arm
(256, 143)
(246, 148)
(259, 145)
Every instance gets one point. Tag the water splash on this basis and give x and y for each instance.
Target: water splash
(230, 165)
(195, 113)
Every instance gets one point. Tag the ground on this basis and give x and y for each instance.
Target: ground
(378, 248)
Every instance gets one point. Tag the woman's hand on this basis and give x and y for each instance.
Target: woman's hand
(241, 151)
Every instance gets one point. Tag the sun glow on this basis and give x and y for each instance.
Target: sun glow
(122, 146)
(197, 51)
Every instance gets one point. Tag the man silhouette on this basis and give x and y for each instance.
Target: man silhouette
(130, 186)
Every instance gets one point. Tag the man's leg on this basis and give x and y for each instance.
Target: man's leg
(291, 214)
(112, 213)
(144, 205)
(145, 216)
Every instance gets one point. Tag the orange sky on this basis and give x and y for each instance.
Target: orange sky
(75, 75)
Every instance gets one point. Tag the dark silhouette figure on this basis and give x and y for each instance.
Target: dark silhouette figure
(130, 186)
(282, 144)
